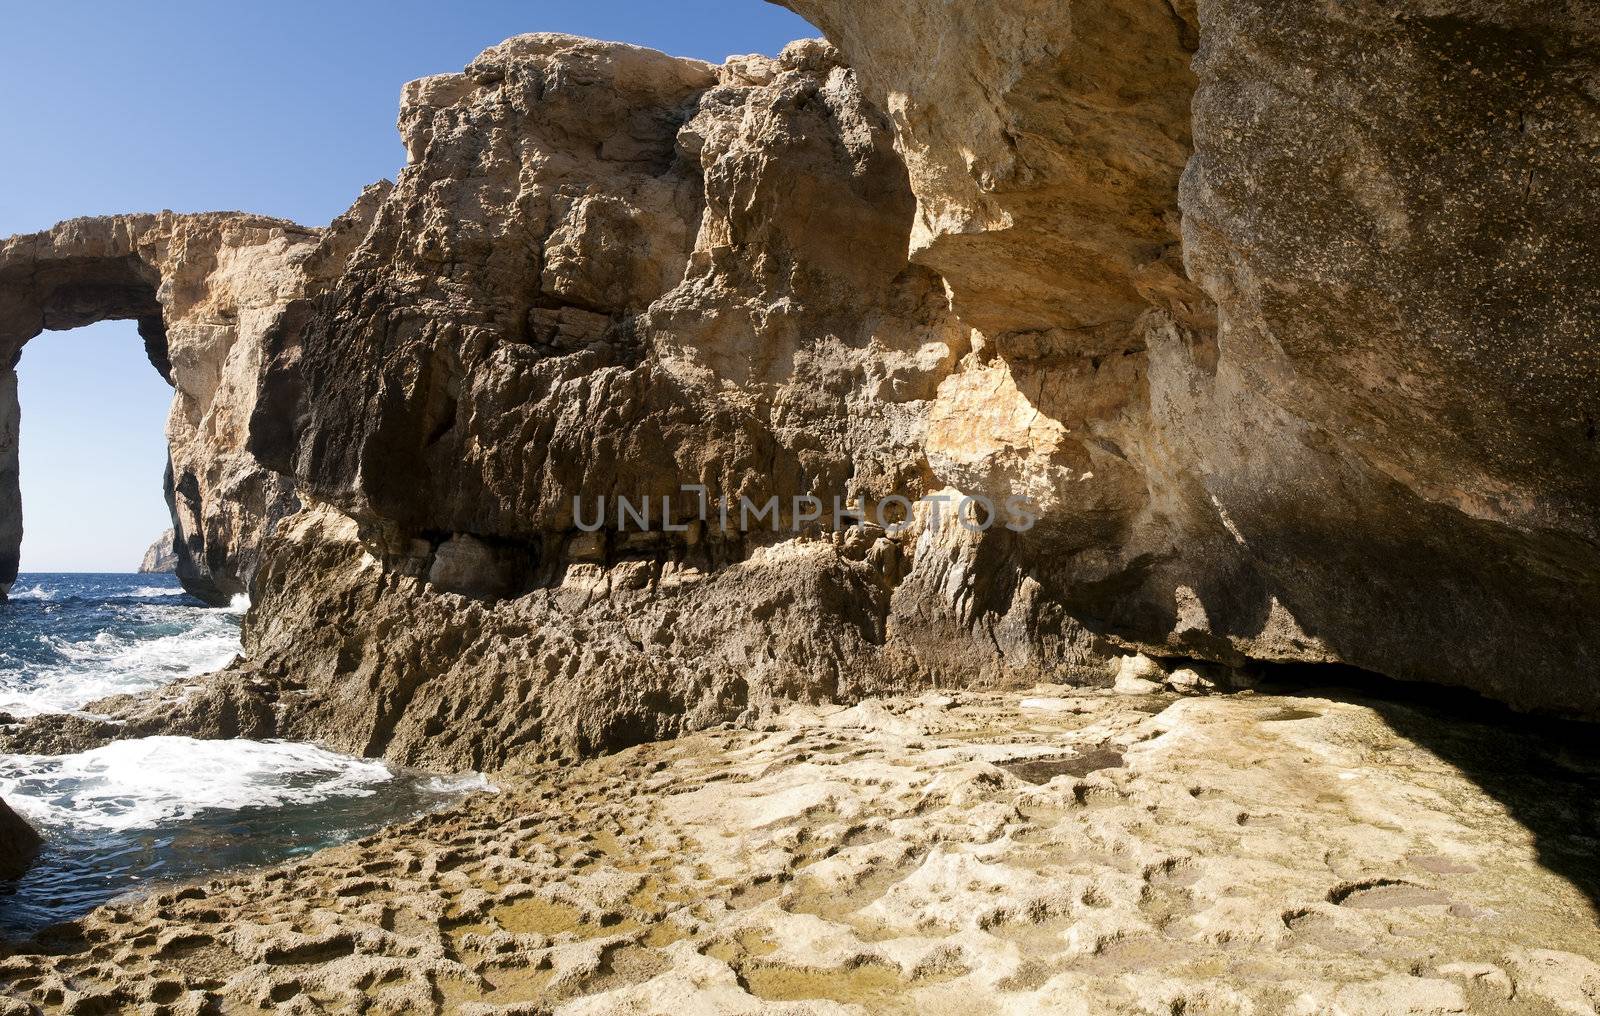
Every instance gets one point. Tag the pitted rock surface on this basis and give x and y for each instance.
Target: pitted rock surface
(1060, 853)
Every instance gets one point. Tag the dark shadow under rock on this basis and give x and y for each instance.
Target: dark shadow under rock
(1043, 770)
(1545, 771)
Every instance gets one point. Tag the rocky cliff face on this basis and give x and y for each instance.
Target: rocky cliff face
(162, 556)
(606, 272)
(1401, 425)
(1367, 440)
(10, 490)
(1282, 320)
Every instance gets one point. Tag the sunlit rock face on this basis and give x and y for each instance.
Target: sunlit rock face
(1281, 321)
(203, 288)
(1061, 852)
(161, 558)
(605, 272)
(1372, 439)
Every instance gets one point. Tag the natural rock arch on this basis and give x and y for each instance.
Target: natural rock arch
(194, 284)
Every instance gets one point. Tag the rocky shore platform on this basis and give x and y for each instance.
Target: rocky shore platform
(1046, 852)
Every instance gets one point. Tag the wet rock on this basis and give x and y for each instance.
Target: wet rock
(18, 843)
(57, 734)
(234, 703)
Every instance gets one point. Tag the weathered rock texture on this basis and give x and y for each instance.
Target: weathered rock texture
(204, 290)
(1402, 425)
(1383, 452)
(10, 490)
(200, 287)
(162, 557)
(605, 272)
(1071, 856)
(1284, 320)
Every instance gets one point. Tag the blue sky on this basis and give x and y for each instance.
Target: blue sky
(285, 109)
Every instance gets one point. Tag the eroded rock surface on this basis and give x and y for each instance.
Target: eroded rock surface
(205, 290)
(1282, 321)
(718, 295)
(938, 261)
(1374, 410)
(1401, 421)
(1084, 853)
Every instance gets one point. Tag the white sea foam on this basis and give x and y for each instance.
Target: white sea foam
(156, 781)
(111, 664)
(40, 592)
(461, 783)
(150, 592)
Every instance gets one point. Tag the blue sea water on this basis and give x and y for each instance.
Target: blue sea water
(144, 811)
(66, 640)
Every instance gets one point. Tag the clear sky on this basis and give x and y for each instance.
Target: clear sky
(284, 108)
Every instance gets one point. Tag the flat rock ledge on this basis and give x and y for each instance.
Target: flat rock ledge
(1039, 853)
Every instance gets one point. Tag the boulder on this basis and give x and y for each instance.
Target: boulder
(19, 844)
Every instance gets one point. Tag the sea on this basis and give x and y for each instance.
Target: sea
(136, 814)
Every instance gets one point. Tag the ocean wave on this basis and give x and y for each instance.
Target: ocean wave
(157, 781)
(155, 592)
(41, 593)
(111, 663)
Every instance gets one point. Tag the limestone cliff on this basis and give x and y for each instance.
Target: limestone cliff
(204, 290)
(1283, 320)
(162, 557)
(1367, 441)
